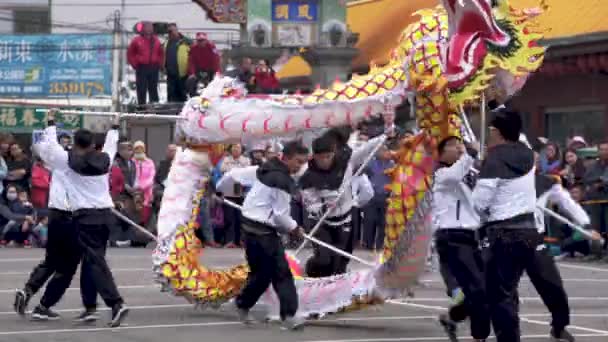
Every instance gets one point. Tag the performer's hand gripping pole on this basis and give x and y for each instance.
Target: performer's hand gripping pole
(314, 240)
(586, 233)
(341, 193)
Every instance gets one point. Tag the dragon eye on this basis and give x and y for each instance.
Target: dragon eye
(494, 3)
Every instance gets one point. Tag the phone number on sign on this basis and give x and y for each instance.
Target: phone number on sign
(80, 88)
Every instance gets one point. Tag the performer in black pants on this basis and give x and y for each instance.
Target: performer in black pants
(505, 194)
(266, 213)
(543, 271)
(456, 240)
(88, 196)
(62, 254)
(332, 169)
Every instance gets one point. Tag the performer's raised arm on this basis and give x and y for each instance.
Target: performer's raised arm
(110, 145)
(455, 173)
(49, 149)
(363, 151)
(245, 176)
(559, 196)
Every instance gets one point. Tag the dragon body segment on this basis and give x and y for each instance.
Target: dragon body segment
(448, 58)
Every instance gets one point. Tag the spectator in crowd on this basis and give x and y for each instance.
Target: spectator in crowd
(550, 161)
(596, 180)
(244, 74)
(65, 140)
(145, 172)
(16, 216)
(232, 216)
(19, 168)
(375, 211)
(203, 63)
(177, 51)
(574, 169)
(6, 139)
(41, 182)
(3, 174)
(577, 142)
(265, 79)
(122, 189)
(162, 173)
(258, 154)
(145, 55)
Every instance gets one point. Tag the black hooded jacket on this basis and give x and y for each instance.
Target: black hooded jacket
(92, 163)
(274, 174)
(505, 191)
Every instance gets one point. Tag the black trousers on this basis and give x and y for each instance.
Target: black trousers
(146, 82)
(458, 250)
(324, 262)
(176, 88)
(511, 251)
(374, 218)
(267, 265)
(61, 259)
(96, 276)
(547, 281)
(232, 222)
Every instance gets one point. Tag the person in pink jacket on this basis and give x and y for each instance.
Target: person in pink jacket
(145, 171)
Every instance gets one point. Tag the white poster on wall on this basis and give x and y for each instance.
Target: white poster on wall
(293, 35)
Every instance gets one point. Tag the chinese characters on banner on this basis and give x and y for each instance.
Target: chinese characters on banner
(59, 65)
(295, 11)
(24, 119)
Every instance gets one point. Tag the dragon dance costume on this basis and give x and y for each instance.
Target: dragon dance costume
(440, 60)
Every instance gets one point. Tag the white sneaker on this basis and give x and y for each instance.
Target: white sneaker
(293, 323)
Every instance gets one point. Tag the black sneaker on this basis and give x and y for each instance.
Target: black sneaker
(119, 313)
(87, 316)
(41, 313)
(22, 298)
(449, 327)
(562, 336)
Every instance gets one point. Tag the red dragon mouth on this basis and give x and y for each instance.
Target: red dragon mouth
(471, 25)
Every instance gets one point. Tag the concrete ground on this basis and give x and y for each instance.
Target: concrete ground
(160, 317)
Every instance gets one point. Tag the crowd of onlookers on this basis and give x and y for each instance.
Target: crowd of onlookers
(586, 178)
(187, 64)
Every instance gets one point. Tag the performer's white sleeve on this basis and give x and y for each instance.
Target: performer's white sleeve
(363, 191)
(281, 211)
(110, 145)
(559, 196)
(454, 174)
(50, 151)
(245, 176)
(484, 193)
(360, 153)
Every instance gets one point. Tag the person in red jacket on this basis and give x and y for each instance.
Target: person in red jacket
(146, 56)
(265, 79)
(203, 62)
(41, 180)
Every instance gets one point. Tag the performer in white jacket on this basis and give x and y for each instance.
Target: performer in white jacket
(543, 271)
(456, 223)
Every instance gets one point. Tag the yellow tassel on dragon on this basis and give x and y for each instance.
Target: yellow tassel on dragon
(447, 59)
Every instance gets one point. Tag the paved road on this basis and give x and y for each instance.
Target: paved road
(159, 317)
